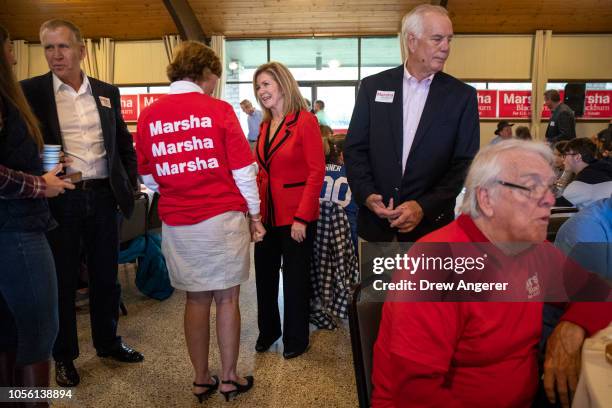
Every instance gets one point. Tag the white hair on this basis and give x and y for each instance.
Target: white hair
(412, 23)
(487, 166)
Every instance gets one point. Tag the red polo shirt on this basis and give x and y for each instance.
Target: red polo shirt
(446, 354)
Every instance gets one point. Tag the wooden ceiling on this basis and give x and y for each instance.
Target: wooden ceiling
(148, 19)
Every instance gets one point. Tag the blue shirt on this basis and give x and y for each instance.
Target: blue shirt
(587, 238)
(322, 118)
(253, 120)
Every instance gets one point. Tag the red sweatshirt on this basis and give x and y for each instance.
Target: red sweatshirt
(190, 143)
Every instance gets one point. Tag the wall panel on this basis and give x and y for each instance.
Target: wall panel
(496, 57)
(581, 57)
(140, 62)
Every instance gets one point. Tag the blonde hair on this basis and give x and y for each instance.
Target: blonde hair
(293, 101)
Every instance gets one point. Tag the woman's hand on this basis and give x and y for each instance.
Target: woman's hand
(257, 230)
(55, 185)
(298, 231)
(256, 227)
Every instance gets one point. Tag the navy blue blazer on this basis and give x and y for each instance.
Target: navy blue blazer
(446, 141)
(117, 139)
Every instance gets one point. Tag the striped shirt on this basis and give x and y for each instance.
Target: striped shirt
(17, 184)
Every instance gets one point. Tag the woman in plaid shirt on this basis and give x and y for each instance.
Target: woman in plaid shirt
(28, 287)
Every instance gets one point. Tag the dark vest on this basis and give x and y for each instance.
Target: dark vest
(18, 151)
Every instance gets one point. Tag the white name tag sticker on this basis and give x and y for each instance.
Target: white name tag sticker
(552, 123)
(105, 101)
(384, 96)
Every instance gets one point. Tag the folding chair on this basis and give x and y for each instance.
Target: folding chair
(364, 319)
(134, 227)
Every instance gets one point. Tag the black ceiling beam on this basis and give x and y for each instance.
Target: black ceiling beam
(186, 21)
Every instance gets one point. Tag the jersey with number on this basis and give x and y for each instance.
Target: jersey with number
(336, 189)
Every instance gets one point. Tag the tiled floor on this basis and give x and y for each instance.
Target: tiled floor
(323, 377)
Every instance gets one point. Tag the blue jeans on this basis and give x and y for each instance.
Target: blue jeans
(28, 286)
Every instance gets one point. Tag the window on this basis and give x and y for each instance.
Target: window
(325, 68)
(133, 90)
(243, 57)
(379, 54)
(323, 59)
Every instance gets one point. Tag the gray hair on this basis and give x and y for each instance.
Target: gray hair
(55, 23)
(412, 23)
(487, 166)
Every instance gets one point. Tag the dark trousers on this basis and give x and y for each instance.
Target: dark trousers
(86, 217)
(276, 245)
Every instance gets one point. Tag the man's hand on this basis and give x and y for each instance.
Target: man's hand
(374, 202)
(409, 215)
(562, 363)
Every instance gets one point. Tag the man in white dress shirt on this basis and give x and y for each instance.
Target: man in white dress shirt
(84, 116)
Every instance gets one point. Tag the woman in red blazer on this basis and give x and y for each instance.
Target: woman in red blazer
(289, 153)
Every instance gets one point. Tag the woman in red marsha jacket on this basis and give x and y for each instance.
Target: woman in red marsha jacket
(191, 148)
(289, 152)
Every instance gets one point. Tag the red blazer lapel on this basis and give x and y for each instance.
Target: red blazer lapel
(283, 135)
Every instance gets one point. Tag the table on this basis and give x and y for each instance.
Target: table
(595, 385)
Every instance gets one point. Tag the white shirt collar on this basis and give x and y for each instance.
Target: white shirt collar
(408, 76)
(58, 83)
(179, 87)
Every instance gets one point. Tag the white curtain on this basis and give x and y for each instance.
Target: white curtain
(89, 65)
(539, 78)
(170, 43)
(217, 43)
(22, 55)
(105, 60)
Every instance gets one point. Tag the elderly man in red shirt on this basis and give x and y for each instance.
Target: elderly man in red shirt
(477, 354)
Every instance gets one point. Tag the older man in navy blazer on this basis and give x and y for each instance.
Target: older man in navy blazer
(412, 136)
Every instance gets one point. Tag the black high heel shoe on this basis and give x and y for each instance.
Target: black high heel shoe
(212, 388)
(240, 388)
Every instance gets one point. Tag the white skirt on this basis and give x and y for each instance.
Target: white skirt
(210, 255)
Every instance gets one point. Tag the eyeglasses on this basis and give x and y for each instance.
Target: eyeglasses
(570, 154)
(533, 193)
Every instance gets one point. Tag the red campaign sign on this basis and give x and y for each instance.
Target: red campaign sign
(145, 100)
(514, 104)
(598, 104)
(129, 107)
(487, 103)
(546, 113)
